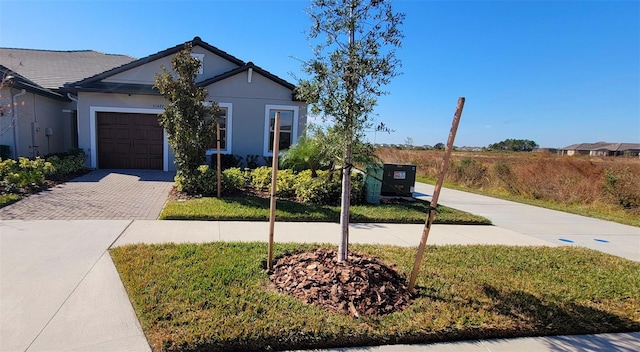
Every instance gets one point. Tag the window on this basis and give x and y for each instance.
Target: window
(200, 58)
(225, 129)
(288, 127)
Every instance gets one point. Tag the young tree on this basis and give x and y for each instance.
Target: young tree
(354, 59)
(186, 118)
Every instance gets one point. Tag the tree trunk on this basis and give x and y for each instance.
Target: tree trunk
(343, 250)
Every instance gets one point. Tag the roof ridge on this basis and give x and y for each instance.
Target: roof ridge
(68, 51)
(163, 53)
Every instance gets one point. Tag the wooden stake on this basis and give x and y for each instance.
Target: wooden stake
(219, 161)
(274, 174)
(436, 193)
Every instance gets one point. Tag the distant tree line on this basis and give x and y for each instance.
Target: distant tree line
(515, 145)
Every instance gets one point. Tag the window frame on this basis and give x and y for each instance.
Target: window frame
(267, 125)
(228, 129)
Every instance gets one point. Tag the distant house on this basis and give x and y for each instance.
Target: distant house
(602, 149)
(113, 106)
(37, 117)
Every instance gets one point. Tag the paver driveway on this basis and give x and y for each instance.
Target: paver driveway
(100, 194)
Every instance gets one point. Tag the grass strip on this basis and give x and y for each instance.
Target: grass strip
(599, 211)
(216, 296)
(257, 209)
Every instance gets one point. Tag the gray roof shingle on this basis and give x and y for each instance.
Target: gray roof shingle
(52, 69)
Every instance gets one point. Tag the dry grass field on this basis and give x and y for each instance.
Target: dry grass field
(604, 187)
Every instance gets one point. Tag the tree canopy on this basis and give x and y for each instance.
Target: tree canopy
(515, 145)
(186, 118)
(354, 57)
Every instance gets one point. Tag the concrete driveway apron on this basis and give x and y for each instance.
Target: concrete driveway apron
(59, 289)
(100, 194)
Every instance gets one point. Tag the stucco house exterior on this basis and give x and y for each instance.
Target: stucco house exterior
(602, 149)
(37, 117)
(116, 109)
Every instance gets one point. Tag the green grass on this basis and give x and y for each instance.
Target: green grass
(216, 297)
(257, 209)
(601, 211)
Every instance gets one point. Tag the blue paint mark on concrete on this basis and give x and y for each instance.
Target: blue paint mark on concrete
(566, 240)
(602, 241)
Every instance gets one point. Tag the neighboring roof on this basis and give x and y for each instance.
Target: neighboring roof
(53, 69)
(13, 79)
(604, 146)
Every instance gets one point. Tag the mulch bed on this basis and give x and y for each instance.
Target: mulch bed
(360, 286)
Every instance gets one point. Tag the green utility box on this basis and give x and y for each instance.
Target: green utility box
(398, 180)
(373, 184)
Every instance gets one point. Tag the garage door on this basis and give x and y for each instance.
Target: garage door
(129, 141)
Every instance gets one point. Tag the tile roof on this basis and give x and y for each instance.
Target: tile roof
(247, 66)
(604, 146)
(15, 80)
(95, 84)
(167, 52)
(52, 69)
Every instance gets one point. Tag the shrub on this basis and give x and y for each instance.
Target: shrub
(227, 161)
(623, 188)
(66, 163)
(261, 178)
(505, 176)
(470, 172)
(203, 182)
(27, 173)
(326, 188)
(233, 179)
(323, 189)
(285, 185)
(252, 161)
(6, 166)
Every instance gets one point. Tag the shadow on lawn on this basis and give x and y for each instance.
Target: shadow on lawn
(543, 318)
(290, 207)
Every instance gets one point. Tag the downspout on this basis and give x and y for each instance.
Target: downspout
(87, 155)
(14, 117)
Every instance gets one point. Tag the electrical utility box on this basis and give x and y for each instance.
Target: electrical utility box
(398, 180)
(373, 183)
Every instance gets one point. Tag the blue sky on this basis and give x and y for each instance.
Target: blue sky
(556, 72)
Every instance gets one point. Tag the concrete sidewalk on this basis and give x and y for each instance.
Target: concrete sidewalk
(61, 292)
(545, 224)
(406, 235)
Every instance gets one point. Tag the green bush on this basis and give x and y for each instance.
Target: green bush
(228, 161)
(7, 166)
(203, 182)
(285, 185)
(252, 161)
(470, 172)
(29, 174)
(623, 187)
(357, 188)
(233, 180)
(66, 163)
(261, 178)
(506, 177)
(323, 189)
(326, 188)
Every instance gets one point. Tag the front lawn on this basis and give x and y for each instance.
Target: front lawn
(217, 296)
(251, 208)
